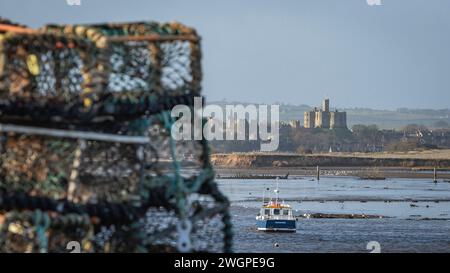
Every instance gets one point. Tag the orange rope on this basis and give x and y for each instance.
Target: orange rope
(9, 28)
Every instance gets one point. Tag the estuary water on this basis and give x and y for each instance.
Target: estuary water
(415, 214)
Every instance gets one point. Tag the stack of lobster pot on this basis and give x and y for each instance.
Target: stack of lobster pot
(88, 162)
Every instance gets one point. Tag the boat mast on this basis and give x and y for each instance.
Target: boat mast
(276, 192)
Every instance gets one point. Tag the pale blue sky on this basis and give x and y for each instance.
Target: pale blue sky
(295, 51)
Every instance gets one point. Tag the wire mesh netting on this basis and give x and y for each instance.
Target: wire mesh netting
(88, 162)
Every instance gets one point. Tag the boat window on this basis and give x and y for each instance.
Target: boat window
(267, 211)
(285, 212)
(276, 212)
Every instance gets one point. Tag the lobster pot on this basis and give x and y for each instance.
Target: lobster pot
(73, 232)
(47, 69)
(63, 234)
(59, 167)
(145, 58)
(91, 170)
(81, 74)
(88, 161)
(138, 177)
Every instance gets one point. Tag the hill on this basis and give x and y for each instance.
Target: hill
(385, 119)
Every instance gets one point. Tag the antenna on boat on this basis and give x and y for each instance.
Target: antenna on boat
(276, 192)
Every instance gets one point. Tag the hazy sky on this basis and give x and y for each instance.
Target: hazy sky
(295, 51)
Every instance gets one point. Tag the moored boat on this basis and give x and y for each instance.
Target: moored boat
(276, 216)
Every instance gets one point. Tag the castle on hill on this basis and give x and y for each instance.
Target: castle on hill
(324, 118)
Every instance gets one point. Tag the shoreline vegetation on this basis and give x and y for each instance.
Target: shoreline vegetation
(372, 166)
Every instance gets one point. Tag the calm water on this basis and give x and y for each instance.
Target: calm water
(418, 211)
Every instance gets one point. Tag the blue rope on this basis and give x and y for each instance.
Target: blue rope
(42, 222)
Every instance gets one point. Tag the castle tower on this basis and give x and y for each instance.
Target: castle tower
(338, 120)
(326, 105)
(322, 120)
(309, 119)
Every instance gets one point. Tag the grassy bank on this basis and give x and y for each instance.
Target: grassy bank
(414, 159)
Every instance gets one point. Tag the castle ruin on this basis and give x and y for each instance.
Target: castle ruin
(324, 118)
